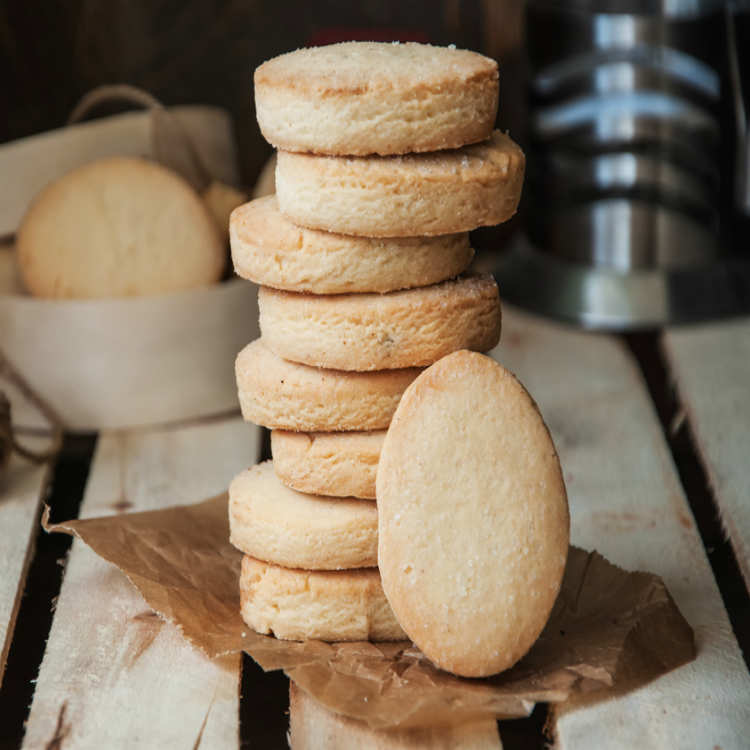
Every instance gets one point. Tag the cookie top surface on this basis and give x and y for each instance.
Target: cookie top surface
(360, 98)
(494, 159)
(473, 516)
(354, 67)
(270, 250)
(258, 491)
(296, 604)
(418, 194)
(118, 227)
(341, 464)
(280, 394)
(365, 332)
(272, 522)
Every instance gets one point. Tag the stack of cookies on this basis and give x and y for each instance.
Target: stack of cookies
(387, 159)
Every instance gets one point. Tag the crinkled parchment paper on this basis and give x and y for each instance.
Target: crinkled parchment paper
(610, 629)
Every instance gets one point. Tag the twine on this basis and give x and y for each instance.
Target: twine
(172, 146)
(9, 443)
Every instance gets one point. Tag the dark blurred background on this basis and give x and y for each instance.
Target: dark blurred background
(203, 52)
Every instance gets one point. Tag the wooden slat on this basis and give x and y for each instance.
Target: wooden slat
(21, 488)
(113, 674)
(626, 501)
(711, 368)
(22, 485)
(313, 727)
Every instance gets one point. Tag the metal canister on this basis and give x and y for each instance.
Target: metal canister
(624, 188)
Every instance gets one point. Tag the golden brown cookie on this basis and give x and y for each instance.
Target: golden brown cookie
(272, 522)
(329, 605)
(361, 332)
(376, 98)
(473, 516)
(268, 249)
(340, 464)
(118, 227)
(284, 395)
(403, 196)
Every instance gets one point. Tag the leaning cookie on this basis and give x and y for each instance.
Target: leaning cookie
(339, 464)
(376, 98)
(381, 331)
(279, 394)
(472, 516)
(270, 250)
(403, 196)
(272, 522)
(118, 227)
(345, 605)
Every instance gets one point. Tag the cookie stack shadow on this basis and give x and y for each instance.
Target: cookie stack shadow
(387, 159)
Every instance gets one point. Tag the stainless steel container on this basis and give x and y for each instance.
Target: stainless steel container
(625, 182)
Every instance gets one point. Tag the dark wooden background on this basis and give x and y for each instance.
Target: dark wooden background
(198, 51)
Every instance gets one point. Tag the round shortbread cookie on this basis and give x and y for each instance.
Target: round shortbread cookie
(473, 516)
(285, 395)
(376, 98)
(340, 464)
(272, 522)
(342, 605)
(269, 250)
(118, 227)
(362, 332)
(403, 196)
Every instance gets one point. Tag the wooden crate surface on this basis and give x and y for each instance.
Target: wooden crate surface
(113, 676)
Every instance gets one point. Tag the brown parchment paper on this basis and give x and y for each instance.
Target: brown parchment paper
(610, 629)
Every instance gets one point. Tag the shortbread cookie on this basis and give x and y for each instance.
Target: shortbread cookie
(473, 516)
(378, 331)
(342, 605)
(403, 196)
(118, 227)
(341, 464)
(272, 522)
(268, 249)
(376, 98)
(284, 395)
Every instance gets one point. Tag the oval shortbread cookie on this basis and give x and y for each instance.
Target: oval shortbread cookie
(118, 227)
(473, 516)
(403, 196)
(279, 394)
(345, 605)
(272, 522)
(381, 331)
(341, 464)
(269, 250)
(376, 98)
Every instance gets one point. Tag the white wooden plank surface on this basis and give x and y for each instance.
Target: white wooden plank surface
(626, 501)
(113, 675)
(22, 485)
(313, 727)
(711, 368)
